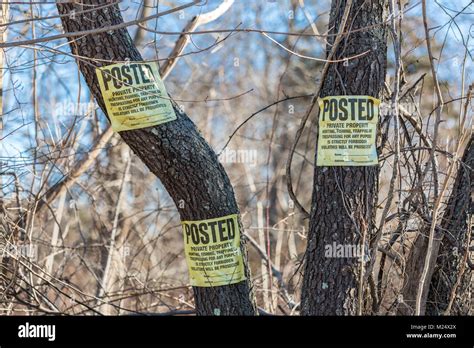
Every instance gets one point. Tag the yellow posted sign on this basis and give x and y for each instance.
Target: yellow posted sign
(134, 95)
(347, 131)
(213, 253)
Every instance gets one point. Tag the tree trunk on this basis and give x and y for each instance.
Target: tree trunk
(450, 285)
(344, 198)
(450, 288)
(175, 151)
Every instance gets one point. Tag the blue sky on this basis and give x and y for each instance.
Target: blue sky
(58, 81)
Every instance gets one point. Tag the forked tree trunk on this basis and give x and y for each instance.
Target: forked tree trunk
(344, 198)
(175, 151)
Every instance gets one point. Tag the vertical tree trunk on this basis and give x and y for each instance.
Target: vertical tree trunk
(175, 152)
(344, 198)
(450, 284)
(450, 290)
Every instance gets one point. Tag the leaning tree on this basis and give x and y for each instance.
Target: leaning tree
(175, 151)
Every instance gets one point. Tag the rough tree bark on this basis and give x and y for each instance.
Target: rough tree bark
(175, 152)
(344, 198)
(450, 286)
